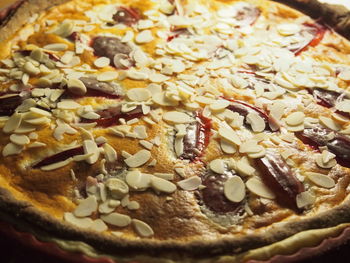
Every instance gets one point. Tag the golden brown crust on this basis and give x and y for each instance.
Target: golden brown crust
(44, 224)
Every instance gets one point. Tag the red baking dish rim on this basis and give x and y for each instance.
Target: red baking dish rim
(31, 241)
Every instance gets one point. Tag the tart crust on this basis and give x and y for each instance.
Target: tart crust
(25, 215)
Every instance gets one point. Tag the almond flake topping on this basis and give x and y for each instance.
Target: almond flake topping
(11, 149)
(90, 147)
(138, 159)
(305, 199)
(144, 37)
(79, 222)
(141, 228)
(191, 183)
(219, 105)
(13, 123)
(176, 117)
(257, 187)
(162, 185)
(102, 62)
(116, 219)
(288, 29)
(229, 135)
(86, 207)
(320, 179)
(234, 189)
(117, 188)
(329, 123)
(68, 105)
(109, 153)
(325, 160)
(57, 165)
(295, 119)
(257, 123)
(217, 166)
(76, 86)
(139, 94)
(19, 139)
(107, 76)
(137, 180)
(244, 168)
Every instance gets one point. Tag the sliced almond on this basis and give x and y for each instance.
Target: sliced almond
(38, 121)
(68, 105)
(162, 185)
(144, 37)
(256, 122)
(40, 112)
(139, 94)
(137, 180)
(234, 189)
(257, 187)
(110, 153)
(217, 166)
(12, 149)
(76, 86)
(162, 100)
(98, 225)
(250, 146)
(138, 159)
(57, 165)
(229, 135)
(166, 176)
(133, 205)
(86, 207)
(90, 147)
(326, 165)
(287, 29)
(305, 199)
(19, 139)
(116, 219)
(148, 145)
(329, 123)
(343, 105)
(64, 29)
(244, 168)
(102, 62)
(107, 76)
(227, 147)
(108, 207)
(117, 188)
(219, 105)
(191, 183)
(56, 47)
(295, 118)
(176, 117)
(13, 123)
(78, 222)
(141, 228)
(320, 179)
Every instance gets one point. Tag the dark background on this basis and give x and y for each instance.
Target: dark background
(13, 252)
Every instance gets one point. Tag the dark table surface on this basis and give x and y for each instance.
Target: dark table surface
(14, 252)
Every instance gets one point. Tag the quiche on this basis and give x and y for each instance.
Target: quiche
(175, 131)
